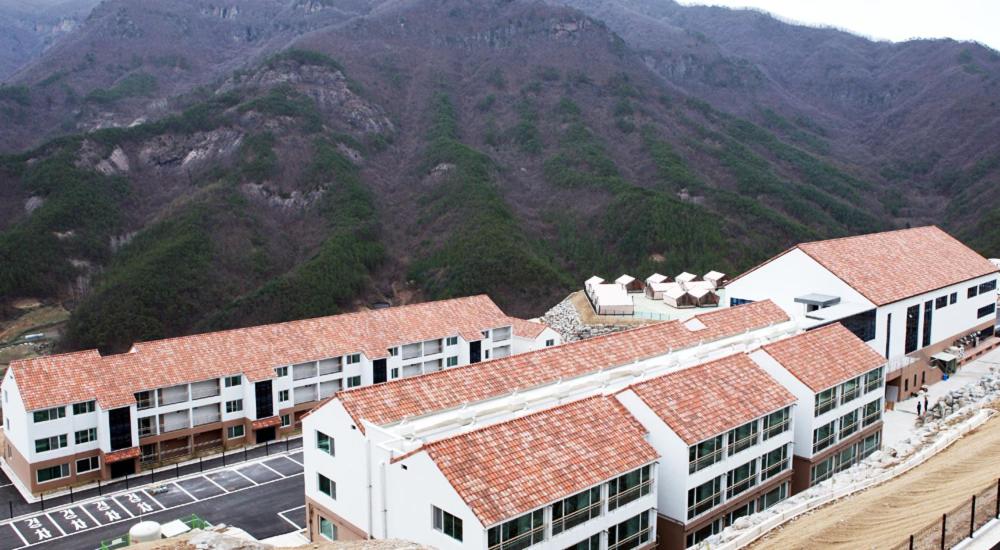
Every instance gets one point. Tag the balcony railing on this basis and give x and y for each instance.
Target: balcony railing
(202, 390)
(704, 505)
(740, 486)
(826, 405)
(171, 423)
(172, 396)
(776, 429)
(523, 540)
(575, 518)
(873, 385)
(620, 499)
(304, 394)
(306, 370)
(848, 429)
(743, 444)
(145, 402)
(705, 461)
(825, 442)
(872, 418)
(897, 363)
(632, 541)
(848, 395)
(207, 416)
(774, 469)
(147, 431)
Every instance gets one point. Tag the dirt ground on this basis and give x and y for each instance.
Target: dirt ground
(885, 516)
(589, 317)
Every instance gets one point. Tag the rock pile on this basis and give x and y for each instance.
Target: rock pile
(565, 319)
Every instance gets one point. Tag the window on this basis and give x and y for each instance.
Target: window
(954, 297)
(50, 414)
(447, 523)
(928, 321)
(824, 436)
(870, 444)
(50, 443)
(234, 380)
(775, 423)
(327, 529)
(84, 408)
(848, 424)
(704, 454)
(821, 471)
(738, 302)
(144, 400)
(354, 381)
(281, 371)
(631, 533)
(487, 354)
(452, 361)
(283, 395)
(850, 390)
(550, 342)
(501, 334)
(986, 311)
(520, 532)
(592, 543)
(700, 535)
(872, 413)
(394, 373)
(85, 436)
(146, 428)
(324, 443)
(235, 405)
(485, 333)
(988, 286)
(452, 341)
(941, 302)
(826, 400)
(626, 488)
(743, 437)
(704, 497)
(873, 380)
(326, 486)
(774, 462)
(777, 495)
(742, 511)
(973, 292)
(393, 352)
(233, 432)
(88, 464)
(286, 420)
(912, 320)
(741, 478)
(572, 511)
(353, 358)
(846, 458)
(862, 325)
(52, 472)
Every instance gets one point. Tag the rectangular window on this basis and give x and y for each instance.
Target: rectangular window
(520, 532)
(234, 380)
(848, 424)
(447, 523)
(87, 464)
(741, 478)
(393, 352)
(987, 286)
(861, 325)
(84, 408)
(452, 340)
(327, 529)
(550, 342)
(704, 454)
(954, 297)
(631, 533)
(592, 543)
(85, 436)
(233, 432)
(928, 321)
(282, 395)
(775, 496)
(144, 400)
(776, 423)
(50, 414)
(986, 311)
(626, 488)
(850, 390)
(146, 426)
(286, 420)
(324, 443)
(572, 511)
(872, 413)
(912, 322)
(326, 486)
(826, 400)
(874, 379)
(846, 458)
(354, 381)
(395, 373)
(821, 471)
(774, 462)
(973, 292)
(824, 436)
(281, 371)
(743, 437)
(700, 535)
(353, 358)
(52, 472)
(941, 302)
(870, 444)
(235, 405)
(452, 361)
(704, 497)
(50, 443)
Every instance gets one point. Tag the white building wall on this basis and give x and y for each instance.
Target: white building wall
(804, 421)
(15, 417)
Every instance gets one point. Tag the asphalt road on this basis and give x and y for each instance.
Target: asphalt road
(265, 497)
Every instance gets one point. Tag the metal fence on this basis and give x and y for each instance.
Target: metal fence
(959, 523)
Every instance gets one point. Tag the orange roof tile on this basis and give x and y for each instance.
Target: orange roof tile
(890, 266)
(709, 399)
(253, 351)
(395, 400)
(527, 329)
(825, 357)
(508, 469)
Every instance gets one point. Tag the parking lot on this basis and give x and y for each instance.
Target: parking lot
(220, 496)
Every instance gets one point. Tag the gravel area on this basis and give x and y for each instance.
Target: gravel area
(564, 318)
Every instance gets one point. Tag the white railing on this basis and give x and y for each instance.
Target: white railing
(201, 390)
(575, 518)
(620, 499)
(629, 541)
(173, 395)
(206, 415)
(900, 362)
(173, 422)
(303, 370)
(776, 429)
(705, 461)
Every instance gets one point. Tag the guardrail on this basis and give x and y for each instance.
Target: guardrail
(959, 524)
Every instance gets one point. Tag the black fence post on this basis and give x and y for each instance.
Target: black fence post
(267, 449)
(10, 504)
(972, 519)
(71, 494)
(244, 453)
(223, 457)
(42, 497)
(100, 491)
(126, 482)
(152, 475)
(201, 468)
(177, 469)
(286, 443)
(944, 527)
(911, 542)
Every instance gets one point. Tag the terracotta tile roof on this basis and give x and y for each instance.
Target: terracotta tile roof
(253, 351)
(394, 401)
(709, 399)
(511, 468)
(527, 329)
(825, 357)
(890, 266)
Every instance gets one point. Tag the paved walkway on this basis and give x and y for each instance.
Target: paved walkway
(898, 423)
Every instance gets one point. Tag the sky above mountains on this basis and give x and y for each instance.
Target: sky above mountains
(894, 20)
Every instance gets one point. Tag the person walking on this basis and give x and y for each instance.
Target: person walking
(925, 403)
(918, 407)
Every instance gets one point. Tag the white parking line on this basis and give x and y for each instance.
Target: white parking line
(272, 469)
(293, 524)
(245, 477)
(122, 506)
(89, 515)
(193, 498)
(19, 535)
(6, 485)
(56, 524)
(151, 497)
(295, 461)
(216, 484)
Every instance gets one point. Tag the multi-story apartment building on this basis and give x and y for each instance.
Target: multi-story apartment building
(839, 384)
(723, 430)
(910, 294)
(83, 416)
(374, 429)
